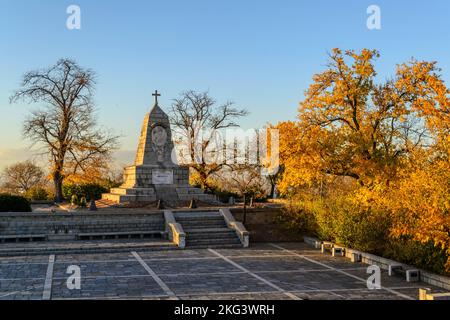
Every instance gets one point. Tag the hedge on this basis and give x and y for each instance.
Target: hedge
(87, 190)
(11, 203)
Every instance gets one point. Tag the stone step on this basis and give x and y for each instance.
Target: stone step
(103, 203)
(201, 221)
(212, 242)
(212, 229)
(199, 218)
(133, 191)
(86, 247)
(189, 191)
(198, 215)
(191, 228)
(118, 198)
(224, 236)
(215, 246)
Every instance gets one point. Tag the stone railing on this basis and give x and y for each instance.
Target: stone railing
(174, 230)
(242, 233)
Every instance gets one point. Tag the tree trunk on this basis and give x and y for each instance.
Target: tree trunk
(58, 182)
(272, 190)
(244, 218)
(204, 180)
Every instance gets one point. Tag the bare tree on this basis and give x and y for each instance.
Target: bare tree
(197, 120)
(19, 178)
(273, 180)
(65, 125)
(245, 180)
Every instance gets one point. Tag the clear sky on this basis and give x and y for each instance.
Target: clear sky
(259, 54)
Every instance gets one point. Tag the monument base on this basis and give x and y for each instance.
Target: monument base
(122, 195)
(149, 183)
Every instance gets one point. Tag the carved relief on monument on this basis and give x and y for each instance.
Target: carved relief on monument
(159, 142)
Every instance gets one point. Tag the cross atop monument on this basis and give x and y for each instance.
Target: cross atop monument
(156, 95)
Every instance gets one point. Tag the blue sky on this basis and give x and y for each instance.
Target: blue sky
(259, 54)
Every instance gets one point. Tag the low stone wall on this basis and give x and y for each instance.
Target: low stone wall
(263, 226)
(80, 222)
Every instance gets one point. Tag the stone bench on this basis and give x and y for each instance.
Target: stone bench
(119, 235)
(337, 251)
(326, 246)
(21, 237)
(411, 275)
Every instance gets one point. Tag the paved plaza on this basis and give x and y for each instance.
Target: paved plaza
(264, 271)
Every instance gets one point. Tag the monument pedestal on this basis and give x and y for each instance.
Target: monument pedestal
(147, 176)
(148, 184)
(121, 195)
(154, 176)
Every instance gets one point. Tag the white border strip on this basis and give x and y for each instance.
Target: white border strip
(290, 295)
(155, 277)
(340, 271)
(47, 294)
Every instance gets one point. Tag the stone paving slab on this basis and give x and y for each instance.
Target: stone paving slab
(236, 296)
(215, 283)
(302, 248)
(24, 259)
(101, 269)
(321, 280)
(23, 271)
(171, 254)
(253, 253)
(78, 258)
(111, 287)
(209, 265)
(335, 262)
(276, 263)
(363, 294)
(23, 289)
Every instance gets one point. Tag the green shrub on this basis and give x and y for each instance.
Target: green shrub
(424, 256)
(296, 216)
(88, 190)
(355, 227)
(340, 221)
(37, 194)
(11, 203)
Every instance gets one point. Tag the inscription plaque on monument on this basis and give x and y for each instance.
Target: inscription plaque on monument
(162, 177)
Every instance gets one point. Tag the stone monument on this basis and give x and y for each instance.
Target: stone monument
(155, 174)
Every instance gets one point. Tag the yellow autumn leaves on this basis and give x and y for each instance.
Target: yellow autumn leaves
(385, 144)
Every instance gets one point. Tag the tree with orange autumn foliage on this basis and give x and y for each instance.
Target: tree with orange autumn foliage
(388, 141)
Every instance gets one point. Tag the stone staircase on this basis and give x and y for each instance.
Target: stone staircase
(207, 230)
